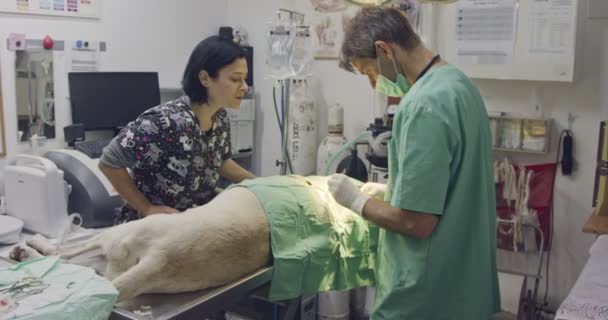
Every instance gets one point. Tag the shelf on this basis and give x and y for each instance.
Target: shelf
(516, 131)
(596, 224)
(519, 151)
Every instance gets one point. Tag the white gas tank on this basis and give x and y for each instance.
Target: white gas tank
(333, 142)
(328, 148)
(37, 194)
(302, 130)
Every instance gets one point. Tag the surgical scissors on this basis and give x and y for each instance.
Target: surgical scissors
(24, 293)
(19, 286)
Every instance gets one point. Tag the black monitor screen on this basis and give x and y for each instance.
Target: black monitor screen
(108, 100)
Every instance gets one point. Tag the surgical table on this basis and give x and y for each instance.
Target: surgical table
(192, 305)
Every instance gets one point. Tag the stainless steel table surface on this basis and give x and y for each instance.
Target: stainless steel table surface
(192, 305)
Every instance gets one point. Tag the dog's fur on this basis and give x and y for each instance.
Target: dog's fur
(200, 248)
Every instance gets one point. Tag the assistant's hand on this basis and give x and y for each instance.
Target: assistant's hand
(346, 193)
(374, 189)
(158, 210)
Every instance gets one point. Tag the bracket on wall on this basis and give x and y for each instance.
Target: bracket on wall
(58, 45)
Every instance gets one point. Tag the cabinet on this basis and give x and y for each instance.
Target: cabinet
(507, 39)
(242, 130)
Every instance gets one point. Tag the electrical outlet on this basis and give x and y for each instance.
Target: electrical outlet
(17, 41)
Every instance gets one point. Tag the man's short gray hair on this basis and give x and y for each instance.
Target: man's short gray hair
(373, 24)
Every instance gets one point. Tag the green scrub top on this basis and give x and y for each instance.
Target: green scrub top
(440, 162)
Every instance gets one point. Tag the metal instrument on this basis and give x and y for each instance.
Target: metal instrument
(25, 288)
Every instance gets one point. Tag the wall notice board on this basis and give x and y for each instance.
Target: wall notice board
(510, 39)
(69, 8)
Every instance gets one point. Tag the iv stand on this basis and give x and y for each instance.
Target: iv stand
(285, 161)
(285, 101)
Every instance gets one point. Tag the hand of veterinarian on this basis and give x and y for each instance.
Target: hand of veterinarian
(346, 193)
(374, 189)
(158, 210)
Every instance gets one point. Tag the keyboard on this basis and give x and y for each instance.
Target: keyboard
(93, 148)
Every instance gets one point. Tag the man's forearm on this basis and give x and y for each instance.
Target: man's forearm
(415, 224)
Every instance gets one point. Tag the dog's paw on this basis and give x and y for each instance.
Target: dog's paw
(23, 252)
(42, 245)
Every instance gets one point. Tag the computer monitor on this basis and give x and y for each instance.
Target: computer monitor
(109, 100)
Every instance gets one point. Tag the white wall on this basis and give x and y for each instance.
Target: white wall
(585, 99)
(141, 35)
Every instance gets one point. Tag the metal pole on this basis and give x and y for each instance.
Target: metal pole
(30, 124)
(285, 127)
(295, 16)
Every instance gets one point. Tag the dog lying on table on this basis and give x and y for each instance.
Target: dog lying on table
(231, 237)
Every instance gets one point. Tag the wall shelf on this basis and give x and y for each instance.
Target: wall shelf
(596, 224)
(521, 135)
(519, 151)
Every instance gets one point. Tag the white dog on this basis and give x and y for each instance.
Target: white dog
(200, 248)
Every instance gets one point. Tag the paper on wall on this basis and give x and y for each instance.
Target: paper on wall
(84, 61)
(485, 31)
(552, 26)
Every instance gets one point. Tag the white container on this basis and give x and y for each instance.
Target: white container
(334, 305)
(332, 143)
(37, 194)
(327, 149)
(335, 119)
(10, 229)
(302, 130)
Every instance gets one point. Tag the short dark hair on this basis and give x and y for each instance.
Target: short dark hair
(371, 24)
(211, 55)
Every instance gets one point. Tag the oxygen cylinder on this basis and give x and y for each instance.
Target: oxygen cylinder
(333, 141)
(302, 130)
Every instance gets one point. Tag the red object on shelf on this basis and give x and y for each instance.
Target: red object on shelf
(541, 200)
(47, 42)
